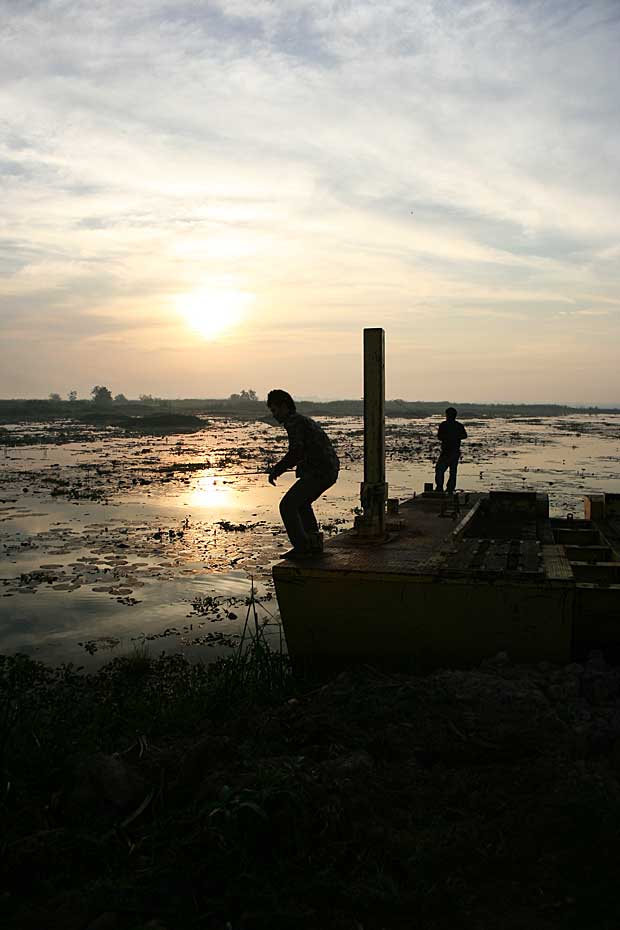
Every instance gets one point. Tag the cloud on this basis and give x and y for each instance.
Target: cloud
(342, 161)
(587, 312)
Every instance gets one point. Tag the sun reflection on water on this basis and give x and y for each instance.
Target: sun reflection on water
(210, 492)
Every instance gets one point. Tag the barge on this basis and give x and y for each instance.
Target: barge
(452, 580)
(455, 581)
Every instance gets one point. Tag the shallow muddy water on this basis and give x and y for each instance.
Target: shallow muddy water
(107, 541)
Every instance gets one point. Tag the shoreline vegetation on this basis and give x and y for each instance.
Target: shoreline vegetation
(161, 413)
(159, 794)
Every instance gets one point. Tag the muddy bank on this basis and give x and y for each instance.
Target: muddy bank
(156, 422)
(479, 799)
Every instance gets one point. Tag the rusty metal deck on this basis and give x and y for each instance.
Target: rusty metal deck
(433, 537)
(454, 582)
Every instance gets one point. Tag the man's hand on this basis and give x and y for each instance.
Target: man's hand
(272, 478)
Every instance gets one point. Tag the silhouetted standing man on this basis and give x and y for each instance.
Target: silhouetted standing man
(450, 433)
(316, 465)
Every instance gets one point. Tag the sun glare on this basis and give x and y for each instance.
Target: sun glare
(211, 493)
(211, 313)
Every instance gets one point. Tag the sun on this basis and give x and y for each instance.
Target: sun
(211, 312)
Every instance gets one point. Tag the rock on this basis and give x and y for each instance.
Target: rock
(614, 723)
(70, 912)
(581, 742)
(498, 661)
(599, 683)
(106, 921)
(483, 715)
(351, 764)
(565, 684)
(600, 737)
(197, 761)
(104, 786)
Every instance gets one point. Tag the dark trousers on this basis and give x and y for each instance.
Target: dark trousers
(447, 460)
(296, 508)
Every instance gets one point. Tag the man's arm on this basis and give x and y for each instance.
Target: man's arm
(463, 432)
(294, 455)
(292, 458)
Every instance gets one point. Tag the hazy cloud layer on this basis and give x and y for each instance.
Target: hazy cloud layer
(446, 169)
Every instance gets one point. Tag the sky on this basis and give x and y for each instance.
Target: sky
(203, 197)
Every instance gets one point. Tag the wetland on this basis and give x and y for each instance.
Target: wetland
(112, 539)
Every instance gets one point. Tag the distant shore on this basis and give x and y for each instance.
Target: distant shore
(15, 410)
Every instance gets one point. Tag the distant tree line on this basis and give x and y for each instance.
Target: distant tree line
(244, 397)
(101, 395)
(247, 403)
(56, 398)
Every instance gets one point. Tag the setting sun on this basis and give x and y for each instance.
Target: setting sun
(211, 312)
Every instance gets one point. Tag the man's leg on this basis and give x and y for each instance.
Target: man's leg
(308, 519)
(453, 465)
(440, 470)
(296, 510)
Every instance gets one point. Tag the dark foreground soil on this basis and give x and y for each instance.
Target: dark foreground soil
(155, 794)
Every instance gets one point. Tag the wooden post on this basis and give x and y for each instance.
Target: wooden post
(374, 489)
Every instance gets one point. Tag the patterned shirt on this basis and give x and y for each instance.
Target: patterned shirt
(309, 450)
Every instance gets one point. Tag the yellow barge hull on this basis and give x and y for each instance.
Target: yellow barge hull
(455, 581)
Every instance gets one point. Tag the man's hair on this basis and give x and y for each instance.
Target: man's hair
(281, 397)
(451, 413)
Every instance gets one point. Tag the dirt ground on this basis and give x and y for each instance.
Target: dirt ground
(477, 799)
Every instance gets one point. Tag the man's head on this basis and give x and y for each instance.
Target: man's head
(450, 413)
(281, 404)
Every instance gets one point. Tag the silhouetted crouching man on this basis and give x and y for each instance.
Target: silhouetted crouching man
(311, 453)
(450, 433)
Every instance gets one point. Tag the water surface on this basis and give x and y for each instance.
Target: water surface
(107, 541)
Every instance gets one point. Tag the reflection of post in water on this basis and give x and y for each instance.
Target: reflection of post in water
(373, 488)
